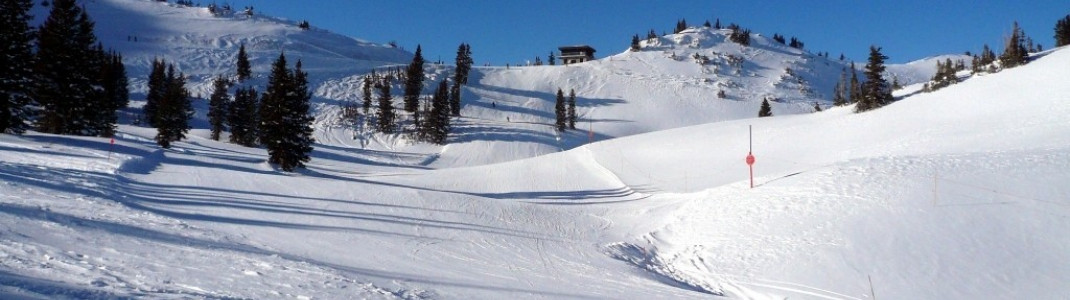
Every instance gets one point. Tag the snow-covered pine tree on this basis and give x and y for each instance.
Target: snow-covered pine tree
(245, 70)
(875, 91)
(175, 110)
(243, 117)
(572, 109)
(559, 111)
(218, 105)
(414, 81)
(16, 59)
(766, 110)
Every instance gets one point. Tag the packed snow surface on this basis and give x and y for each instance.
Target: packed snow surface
(957, 194)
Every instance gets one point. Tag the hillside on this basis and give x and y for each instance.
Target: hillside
(955, 194)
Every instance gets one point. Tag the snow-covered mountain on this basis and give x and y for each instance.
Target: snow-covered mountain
(955, 194)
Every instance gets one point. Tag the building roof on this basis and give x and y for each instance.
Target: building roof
(576, 48)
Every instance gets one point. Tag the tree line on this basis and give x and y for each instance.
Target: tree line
(69, 85)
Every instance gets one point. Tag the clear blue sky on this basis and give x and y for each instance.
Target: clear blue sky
(512, 31)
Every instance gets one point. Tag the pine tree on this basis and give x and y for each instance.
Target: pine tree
(455, 99)
(414, 81)
(243, 117)
(273, 106)
(766, 110)
(717, 25)
(245, 70)
(875, 91)
(175, 110)
(385, 116)
(16, 65)
(572, 109)
(839, 94)
(366, 92)
(298, 123)
(1062, 32)
(464, 63)
(680, 26)
(64, 87)
(157, 85)
(817, 107)
(635, 43)
(116, 91)
(438, 118)
(1014, 51)
(285, 125)
(854, 92)
(707, 24)
(553, 59)
(559, 111)
(218, 105)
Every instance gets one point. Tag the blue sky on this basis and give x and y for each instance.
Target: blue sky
(512, 31)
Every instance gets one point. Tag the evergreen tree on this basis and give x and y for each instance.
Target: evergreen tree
(635, 43)
(1062, 32)
(116, 91)
(386, 109)
(455, 99)
(464, 63)
(559, 111)
(414, 81)
(717, 25)
(875, 91)
(366, 92)
(218, 105)
(285, 125)
(243, 117)
(839, 94)
(854, 93)
(707, 24)
(680, 26)
(66, 73)
(766, 110)
(1014, 51)
(572, 109)
(157, 86)
(553, 59)
(174, 111)
(245, 70)
(438, 118)
(817, 107)
(16, 65)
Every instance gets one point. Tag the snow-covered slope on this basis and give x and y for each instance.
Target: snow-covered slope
(921, 70)
(508, 111)
(955, 194)
(203, 46)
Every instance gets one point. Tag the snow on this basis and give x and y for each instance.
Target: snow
(955, 194)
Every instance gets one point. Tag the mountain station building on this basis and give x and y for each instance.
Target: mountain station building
(576, 54)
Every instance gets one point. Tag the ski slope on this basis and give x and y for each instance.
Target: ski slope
(954, 194)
